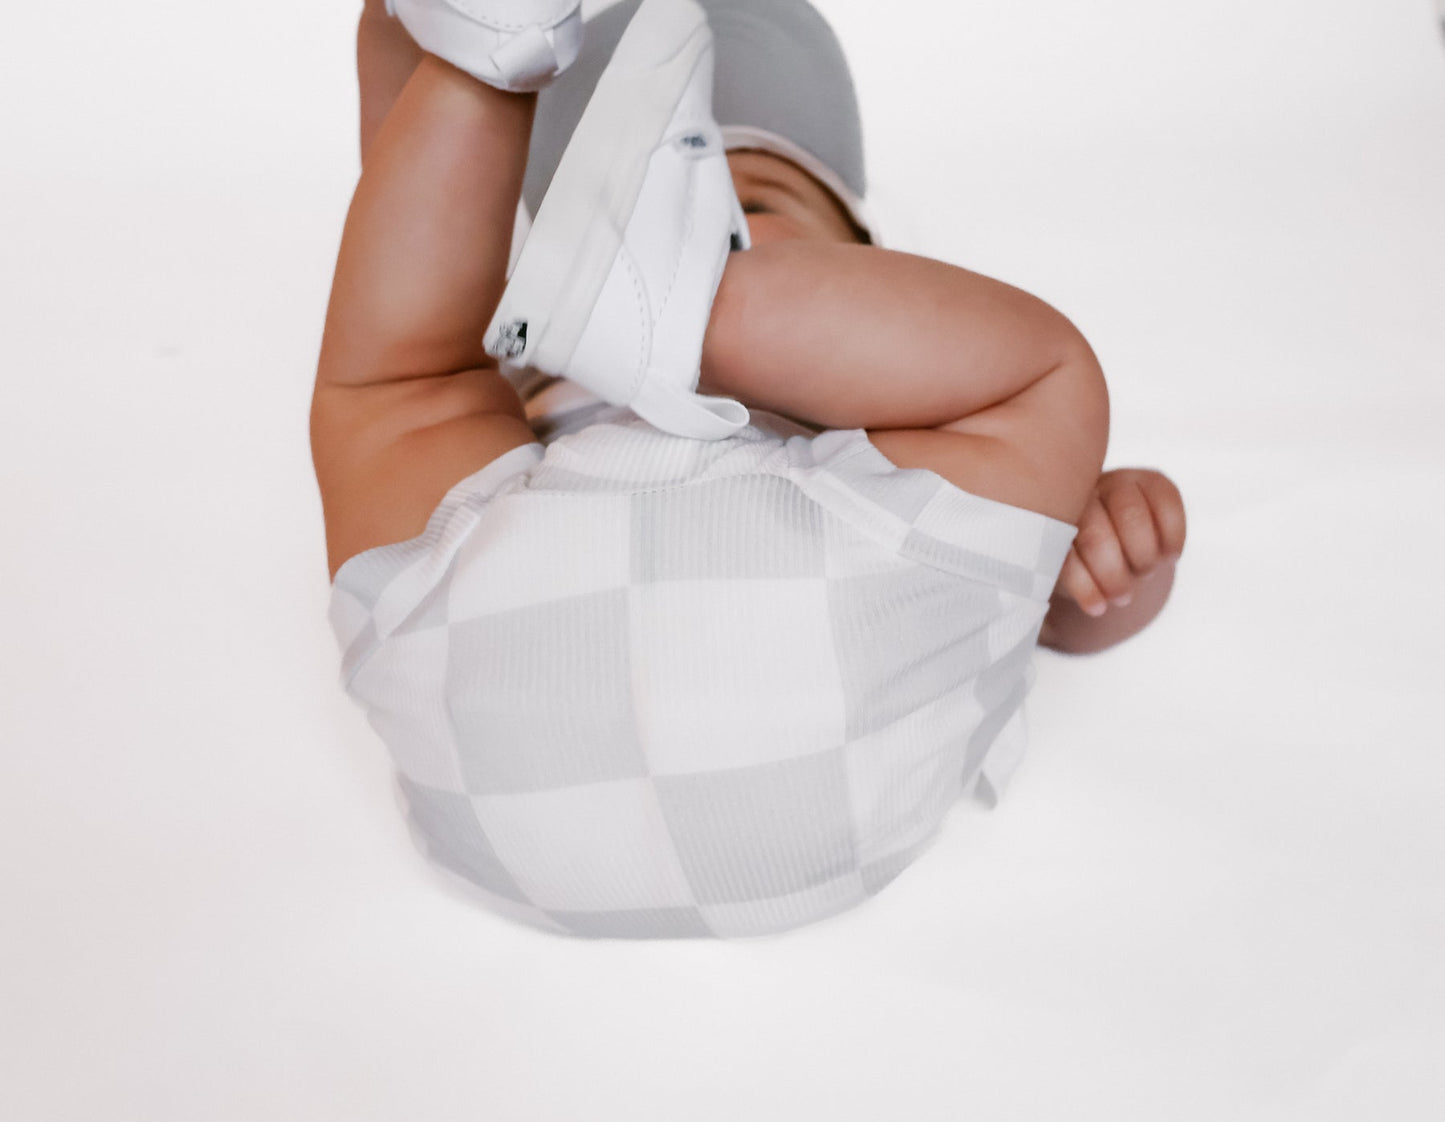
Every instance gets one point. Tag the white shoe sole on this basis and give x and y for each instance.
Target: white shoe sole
(578, 231)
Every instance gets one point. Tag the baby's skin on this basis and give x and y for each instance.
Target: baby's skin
(961, 374)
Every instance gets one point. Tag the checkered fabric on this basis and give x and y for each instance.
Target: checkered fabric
(639, 686)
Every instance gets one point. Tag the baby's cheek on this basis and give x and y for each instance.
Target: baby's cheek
(765, 228)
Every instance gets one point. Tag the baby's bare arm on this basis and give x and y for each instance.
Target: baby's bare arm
(948, 370)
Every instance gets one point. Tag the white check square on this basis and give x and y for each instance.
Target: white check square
(532, 548)
(732, 674)
(407, 675)
(599, 847)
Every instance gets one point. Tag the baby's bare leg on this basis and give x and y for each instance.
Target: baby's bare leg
(424, 253)
(850, 336)
(386, 56)
(949, 370)
(407, 402)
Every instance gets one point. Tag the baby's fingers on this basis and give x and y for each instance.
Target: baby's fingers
(1075, 582)
(1168, 506)
(1099, 549)
(1133, 521)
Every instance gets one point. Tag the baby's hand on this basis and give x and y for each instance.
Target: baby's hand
(1132, 525)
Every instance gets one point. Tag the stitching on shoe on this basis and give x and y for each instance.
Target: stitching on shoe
(639, 292)
(682, 243)
(550, 23)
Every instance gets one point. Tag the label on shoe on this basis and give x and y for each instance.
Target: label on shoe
(698, 144)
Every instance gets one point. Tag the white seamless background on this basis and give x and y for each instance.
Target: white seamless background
(1213, 890)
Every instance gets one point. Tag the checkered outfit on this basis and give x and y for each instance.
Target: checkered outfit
(640, 686)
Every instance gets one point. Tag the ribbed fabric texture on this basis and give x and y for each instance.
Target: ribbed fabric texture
(638, 686)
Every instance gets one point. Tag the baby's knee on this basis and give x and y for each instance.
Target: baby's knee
(1083, 396)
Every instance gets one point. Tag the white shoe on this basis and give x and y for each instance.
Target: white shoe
(615, 283)
(517, 45)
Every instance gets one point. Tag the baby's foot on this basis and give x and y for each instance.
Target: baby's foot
(615, 284)
(517, 45)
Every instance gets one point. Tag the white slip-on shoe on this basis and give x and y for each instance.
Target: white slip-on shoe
(615, 282)
(516, 45)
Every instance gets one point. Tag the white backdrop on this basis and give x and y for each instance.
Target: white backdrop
(1214, 890)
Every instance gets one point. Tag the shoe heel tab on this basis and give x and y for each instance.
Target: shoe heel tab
(525, 56)
(688, 414)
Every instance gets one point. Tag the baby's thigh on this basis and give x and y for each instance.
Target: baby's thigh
(387, 454)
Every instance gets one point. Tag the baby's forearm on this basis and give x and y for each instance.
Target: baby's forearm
(847, 336)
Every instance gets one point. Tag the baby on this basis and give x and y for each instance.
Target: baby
(697, 618)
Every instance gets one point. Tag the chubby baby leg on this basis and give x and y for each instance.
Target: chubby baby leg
(386, 56)
(853, 336)
(948, 370)
(407, 403)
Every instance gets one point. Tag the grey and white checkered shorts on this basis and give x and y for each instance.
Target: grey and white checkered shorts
(640, 686)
